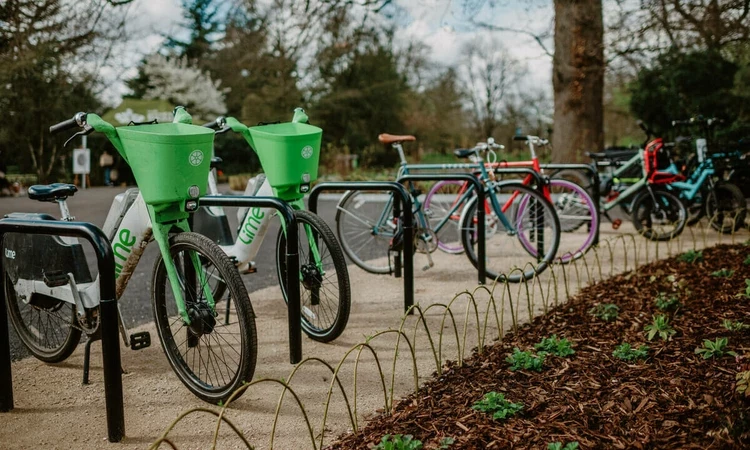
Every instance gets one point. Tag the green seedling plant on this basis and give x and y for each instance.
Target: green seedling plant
(734, 325)
(746, 294)
(743, 383)
(691, 256)
(446, 442)
(554, 346)
(626, 352)
(723, 273)
(605, 311)
(666, 303)
(496, 404)
(746, 261)
(714, 349)
(398, 442)
(525, 360)
(660, 326)
(559, 446)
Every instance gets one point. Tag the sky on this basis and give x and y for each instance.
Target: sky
(444, 25)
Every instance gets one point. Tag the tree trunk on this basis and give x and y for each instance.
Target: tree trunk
(578, 80)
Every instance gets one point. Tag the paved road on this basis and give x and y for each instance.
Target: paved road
(92, 205)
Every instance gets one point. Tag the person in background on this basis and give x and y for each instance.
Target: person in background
(4, 183)
(106, 162)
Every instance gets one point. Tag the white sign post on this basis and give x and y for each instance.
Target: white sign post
(82, 163)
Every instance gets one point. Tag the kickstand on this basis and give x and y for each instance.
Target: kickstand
(87, 356)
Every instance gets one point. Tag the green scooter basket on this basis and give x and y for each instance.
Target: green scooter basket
(168, 159)
(289, 153)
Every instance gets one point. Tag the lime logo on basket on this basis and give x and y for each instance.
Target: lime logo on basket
(307, 152)
(196, 157)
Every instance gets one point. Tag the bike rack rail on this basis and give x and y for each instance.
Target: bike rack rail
(108, 316)
(469, 178)
(292, 259)
(401, 197)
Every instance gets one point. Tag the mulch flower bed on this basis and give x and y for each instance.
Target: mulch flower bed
(674, 398)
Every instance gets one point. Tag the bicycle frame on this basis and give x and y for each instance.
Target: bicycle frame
(606, 205)
(485, 177)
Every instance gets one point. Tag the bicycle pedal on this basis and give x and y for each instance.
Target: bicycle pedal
(616, 224)
(140, 340)
(55, 278)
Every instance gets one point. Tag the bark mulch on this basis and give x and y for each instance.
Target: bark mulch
(672, 399)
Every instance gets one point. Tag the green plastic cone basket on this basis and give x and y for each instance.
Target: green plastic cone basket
(167, 159)
(289, 153)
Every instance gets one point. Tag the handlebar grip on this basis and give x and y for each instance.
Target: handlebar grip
(212, 125)
(64, 125)
(520, 138)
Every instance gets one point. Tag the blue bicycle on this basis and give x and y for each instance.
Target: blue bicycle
(722, 202)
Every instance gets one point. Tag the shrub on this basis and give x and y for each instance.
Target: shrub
(660, 326)
(497, 405)
(555, 346)
(627, 353)
(525, 360)
(605, 311)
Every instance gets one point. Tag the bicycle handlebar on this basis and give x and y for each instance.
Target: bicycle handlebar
(76, 121)
(519, 138)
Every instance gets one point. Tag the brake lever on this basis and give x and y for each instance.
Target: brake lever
(223, 130)
(87, 129)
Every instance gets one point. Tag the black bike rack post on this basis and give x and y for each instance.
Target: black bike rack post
(401, 197)
(479, 189)
(593, 176)
(292, 259)
(107, 310)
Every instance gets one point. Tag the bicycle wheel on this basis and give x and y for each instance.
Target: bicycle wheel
(325, 295)
(364, 223)
(443, 207)
(45, 325)
(660, 217)
(579, 220)
(574, 176)
(726, 208)
(534, 226)
(211, 358)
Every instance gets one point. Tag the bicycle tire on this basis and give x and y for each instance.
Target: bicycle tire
(236, 340)
(335, 285)
(45, 332)
(574, 176)
(672, 216)
(364, 237)
(575, 208)
(439, 202)
(503, 259)
(726, 208)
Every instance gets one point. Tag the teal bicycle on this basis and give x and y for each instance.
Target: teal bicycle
(522, 229)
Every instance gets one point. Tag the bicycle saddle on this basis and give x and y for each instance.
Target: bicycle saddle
(464, 152)
(386, 138)
(51, 192)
